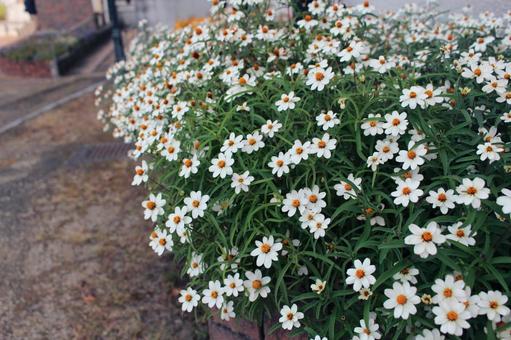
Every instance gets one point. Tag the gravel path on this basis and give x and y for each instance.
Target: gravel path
(73, 245)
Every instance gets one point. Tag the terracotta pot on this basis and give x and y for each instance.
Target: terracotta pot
(240, 329)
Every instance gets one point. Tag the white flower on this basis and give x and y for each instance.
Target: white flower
(386, 148)
(253, 142)
(213, 295)
(322, 146)
(233, 285)
(412, 158)
(241, 182)
(449, 289)
(232, 144)
(372, 125)
(196, 265)
(257, 285)
(402, 299)
(369, 332)
(413, 97)
(489, 151)
(505, 201)
(279, 164)
(196, 203)
(299, 151)
(140, 174)
(452, 317)
(318, 286)
(190, 166)
(161, 241)
(266, 251)
(361, 274)
(189, 299)
(425, 240)
(442, 199)
(471, 192)
(407, 191)
(153, 207)
(318, 78)
(327, 120)
(290, 317)
(492, 304)
(318, 337)
(287, 101)
(171, 151)
(395, 123)
(294, 201)
(221, 166)
(407, 275)
(319, 225)
(315, 198)
(347, 189)
(374, 160)
(461, 234)
(427, 334)
(227, 312)
(178, 219)
(433, 95)
(381, 65)
(270, 128)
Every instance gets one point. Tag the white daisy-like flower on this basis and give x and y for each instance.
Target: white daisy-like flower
(221, 166)
(361, 274)
(395, 123)
(256, 285)
(190, 166)
(213, 295)
(253, 143)
(413, 157)
(290, 317)
(161, 241)
(232, 144)
(372, 125)
(452, 317)
(270, 128)
(153, 207)
(315, 198)
(140, 174)
(178, 220)
(266, 251)
(279, 164)
(227, 311)
(444, 200)
(461, 234)
(492, 304)
(319, 225)
(412, 97)
(189, 299)
(430, 334)
(407, 191)
(407, 274)
(196, 203)
(233, 285)
(299, 151)
(369, 331)
(448, 289)
(387, 148)
(241, 182)
(196, 265)
(318, 286)
(287, 101)
(318, 78)
(471, 192)
(402, 298)
(347, 189)
(323, 146)
(505, 201)
(294, 201)
(489, 151)
(424, 240)
(327, 120)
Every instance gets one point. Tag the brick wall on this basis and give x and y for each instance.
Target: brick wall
(37, 69)
(63, 14)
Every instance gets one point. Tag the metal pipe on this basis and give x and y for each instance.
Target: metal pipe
(116, 31)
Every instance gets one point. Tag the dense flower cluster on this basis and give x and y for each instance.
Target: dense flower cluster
(345, 170)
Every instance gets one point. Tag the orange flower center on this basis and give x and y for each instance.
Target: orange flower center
(396, 121)
(494, 304)
(140, 172)
(452, 316)
(321, 144)
(401, 299)
(319, 76)
(427, 236)
(150, 205)
(162, 241)
(187, 162)
(471, 190)
(412, 154)
(279, 162)
(442, 197)
(265, 248)
(460, 233)
(313, 198)
(257, 284)
(195, 203)
(413, 94)
(221, 164)
(360, 273)
(448, 292)
(406, 191)
(188, 297)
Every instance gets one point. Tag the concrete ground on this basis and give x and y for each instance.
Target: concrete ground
(74, 252)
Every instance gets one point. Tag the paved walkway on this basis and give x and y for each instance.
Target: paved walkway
(75, 262)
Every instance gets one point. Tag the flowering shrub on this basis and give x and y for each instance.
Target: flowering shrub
(345, 170)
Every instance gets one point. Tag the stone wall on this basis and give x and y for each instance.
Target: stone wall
(497, 6)
(63, 15)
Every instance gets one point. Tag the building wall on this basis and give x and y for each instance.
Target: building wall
(64, 14)
(169, 11)
(496, 6)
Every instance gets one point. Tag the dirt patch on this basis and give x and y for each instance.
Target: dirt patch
(73, 243)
